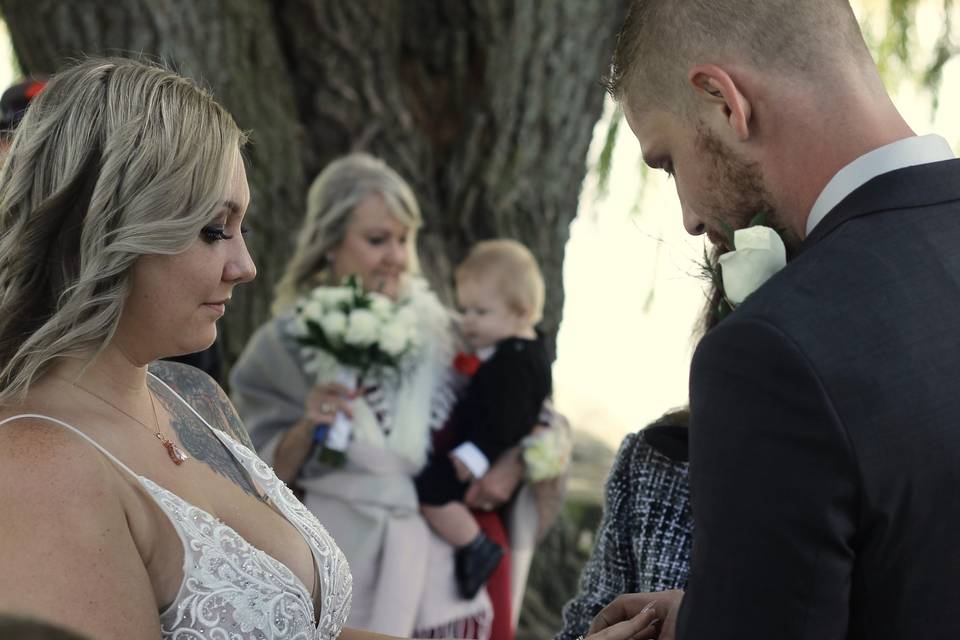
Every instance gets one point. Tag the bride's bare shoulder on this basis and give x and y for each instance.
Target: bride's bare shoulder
(44, 458)
(68, 554)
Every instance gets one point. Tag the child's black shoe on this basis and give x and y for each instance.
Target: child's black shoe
(474, 563)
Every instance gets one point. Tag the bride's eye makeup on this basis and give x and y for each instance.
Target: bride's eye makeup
(217, 232)
(214, 233)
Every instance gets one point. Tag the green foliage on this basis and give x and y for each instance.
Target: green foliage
(728, 231)
(896, 51)
(605, 161)
(900, 24)
(943, 51)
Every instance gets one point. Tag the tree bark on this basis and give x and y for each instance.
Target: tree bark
(487, 107)
(228, 47)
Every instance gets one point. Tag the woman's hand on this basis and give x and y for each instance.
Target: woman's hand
(324, 401)
(463, 472)
(320, 407)
(633, 613)
(496, 486)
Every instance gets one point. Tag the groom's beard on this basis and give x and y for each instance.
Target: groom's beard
(739, 192)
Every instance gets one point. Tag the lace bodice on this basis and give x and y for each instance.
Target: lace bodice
(231, 585)
(232, 590)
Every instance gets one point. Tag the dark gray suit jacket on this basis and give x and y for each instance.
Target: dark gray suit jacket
(825, 432)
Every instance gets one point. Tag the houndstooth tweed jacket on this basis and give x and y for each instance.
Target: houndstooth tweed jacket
(645, 535)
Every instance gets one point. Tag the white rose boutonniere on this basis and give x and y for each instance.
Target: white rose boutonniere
(758, 254)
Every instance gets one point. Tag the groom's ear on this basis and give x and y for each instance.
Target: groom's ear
(719, 97)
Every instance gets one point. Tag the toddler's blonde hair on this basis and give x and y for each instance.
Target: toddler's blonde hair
(515, 273)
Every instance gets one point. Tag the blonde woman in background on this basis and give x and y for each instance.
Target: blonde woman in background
(362, 219)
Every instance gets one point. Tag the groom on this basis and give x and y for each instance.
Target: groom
(825, 429)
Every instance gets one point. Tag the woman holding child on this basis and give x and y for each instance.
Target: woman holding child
(361, 221)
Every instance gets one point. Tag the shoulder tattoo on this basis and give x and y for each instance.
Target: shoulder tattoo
(206, 397)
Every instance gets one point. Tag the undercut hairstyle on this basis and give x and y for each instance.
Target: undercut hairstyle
(513, 270)
(114, 159)
(331, 200)
(662, 39)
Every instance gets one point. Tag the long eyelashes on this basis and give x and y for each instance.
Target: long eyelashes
(377, 240)
(212, 233)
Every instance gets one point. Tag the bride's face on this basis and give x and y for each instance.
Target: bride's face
(176, 300)
(376, 246)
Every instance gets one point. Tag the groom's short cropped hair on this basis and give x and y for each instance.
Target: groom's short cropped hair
(661, 39)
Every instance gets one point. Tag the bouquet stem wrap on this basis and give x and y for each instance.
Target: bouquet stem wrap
(339, 436)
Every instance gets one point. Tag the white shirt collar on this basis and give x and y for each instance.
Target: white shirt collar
(485, 353)
(896, 155)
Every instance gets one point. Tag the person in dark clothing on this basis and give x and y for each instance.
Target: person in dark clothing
(500, 291)
(13, 104)
(823, 442)
(15, 100)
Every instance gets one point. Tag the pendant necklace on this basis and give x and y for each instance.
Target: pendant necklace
(176, 454)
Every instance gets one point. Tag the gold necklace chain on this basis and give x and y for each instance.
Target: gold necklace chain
(176, 454)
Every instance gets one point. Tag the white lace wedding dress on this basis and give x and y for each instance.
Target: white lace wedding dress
(232, 590)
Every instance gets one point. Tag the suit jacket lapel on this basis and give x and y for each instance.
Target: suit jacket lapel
(917, 186)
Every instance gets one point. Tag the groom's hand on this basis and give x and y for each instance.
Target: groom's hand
(662, 606)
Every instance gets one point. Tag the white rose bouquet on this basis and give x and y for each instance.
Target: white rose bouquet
(345, 334)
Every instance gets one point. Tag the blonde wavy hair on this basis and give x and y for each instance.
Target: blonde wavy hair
(332, 197)
(114, 159)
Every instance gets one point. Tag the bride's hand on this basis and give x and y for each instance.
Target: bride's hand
(642, 626)
(645, 615)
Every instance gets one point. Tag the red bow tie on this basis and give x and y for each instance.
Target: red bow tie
(466, 363)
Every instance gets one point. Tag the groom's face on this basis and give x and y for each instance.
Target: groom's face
(714, 185)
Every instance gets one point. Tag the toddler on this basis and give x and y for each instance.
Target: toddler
(500, 294)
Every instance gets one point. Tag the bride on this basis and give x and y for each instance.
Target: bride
(132, 505)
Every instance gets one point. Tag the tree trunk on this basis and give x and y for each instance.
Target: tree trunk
(487, 107)
(228, 47)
